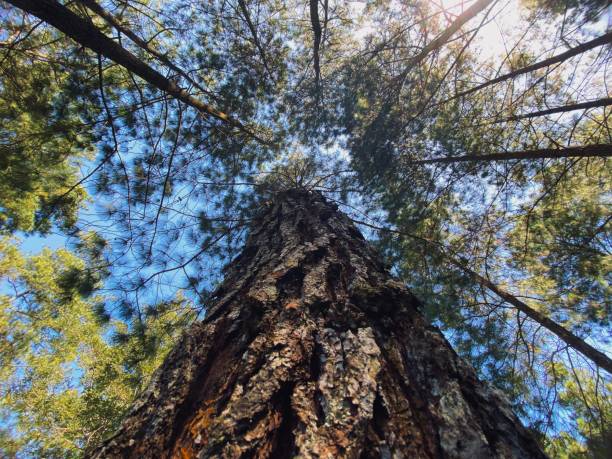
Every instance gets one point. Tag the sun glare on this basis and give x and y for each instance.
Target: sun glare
(490, 40)
(491, 36)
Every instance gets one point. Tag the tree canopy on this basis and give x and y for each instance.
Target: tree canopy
(469, 140)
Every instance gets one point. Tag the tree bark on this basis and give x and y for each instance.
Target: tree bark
(313, 350)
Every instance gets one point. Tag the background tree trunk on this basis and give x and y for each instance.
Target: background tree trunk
(312, 350)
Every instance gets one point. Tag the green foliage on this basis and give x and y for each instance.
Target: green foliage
(580, 392)
(172, 191)
(63, 384)
(560, 243)
(42, 139)
(590, 10)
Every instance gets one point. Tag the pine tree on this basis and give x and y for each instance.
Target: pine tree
(313, 350)
(482, 181)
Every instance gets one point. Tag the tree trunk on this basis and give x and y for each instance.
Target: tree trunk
(584, 151)
(116, 23)
(313, 350)
(581, 48)
(86, 34)
(551, 111)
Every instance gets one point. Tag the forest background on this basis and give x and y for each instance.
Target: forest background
(468, 139)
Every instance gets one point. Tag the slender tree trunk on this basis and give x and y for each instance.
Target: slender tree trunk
(573, 341)
(313, 350)
(116, 23)
(583, 47)
(86, 34)
(316, 30)
(446, 35)
(584, 151)
(262, 52)
(551, 111)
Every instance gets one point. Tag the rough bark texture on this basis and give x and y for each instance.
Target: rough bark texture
(312, 350)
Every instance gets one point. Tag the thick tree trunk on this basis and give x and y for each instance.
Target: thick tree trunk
(312, 350)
